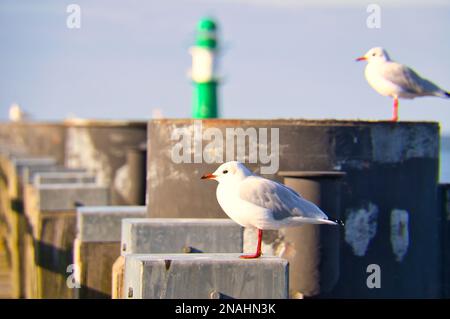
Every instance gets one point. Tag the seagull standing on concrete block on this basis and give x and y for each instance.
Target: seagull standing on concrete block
(256, 202)
(396, 80)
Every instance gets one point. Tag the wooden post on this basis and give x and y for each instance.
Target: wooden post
(118, 271)
(51, 213)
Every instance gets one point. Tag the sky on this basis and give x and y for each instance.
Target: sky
(279, 59)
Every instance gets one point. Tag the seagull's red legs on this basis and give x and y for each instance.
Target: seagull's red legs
(395, 110)
(258, 249)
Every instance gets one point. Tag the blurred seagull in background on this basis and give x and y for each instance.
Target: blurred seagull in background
(256, 202)
(16, 114)
(396, 80)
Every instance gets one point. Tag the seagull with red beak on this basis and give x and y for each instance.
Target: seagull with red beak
(259, 203)
(396, 80)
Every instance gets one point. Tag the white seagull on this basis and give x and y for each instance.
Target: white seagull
(396, 80)
(256, 202)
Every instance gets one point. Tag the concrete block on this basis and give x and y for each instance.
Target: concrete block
(205, 276)
(103, 223)
(30, 172)
(30, 161)
(34, 138)
(58, 197)
(97, 246)
(178, 235)
(49, 249)
(63, 178)
(39, 162)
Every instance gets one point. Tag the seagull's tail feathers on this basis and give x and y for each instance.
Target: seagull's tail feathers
(339, 222)
(331, 222)
(443, 93)
(440, 93)
(335, 222)
(309, 220)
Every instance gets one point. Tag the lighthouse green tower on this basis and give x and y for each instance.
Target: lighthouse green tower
(204, 68)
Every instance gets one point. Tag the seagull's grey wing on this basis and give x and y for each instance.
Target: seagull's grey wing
(408, 79)
(282, 201)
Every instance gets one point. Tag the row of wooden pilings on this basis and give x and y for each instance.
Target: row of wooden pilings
(48, 170)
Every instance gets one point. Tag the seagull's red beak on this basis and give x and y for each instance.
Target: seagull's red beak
(363, 58)
(208, 176)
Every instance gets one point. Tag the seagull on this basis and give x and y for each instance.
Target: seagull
(16, 114)
(396, 80)
(255, 202)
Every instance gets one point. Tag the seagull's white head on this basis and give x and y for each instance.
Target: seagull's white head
(230, 171)
(375, 54)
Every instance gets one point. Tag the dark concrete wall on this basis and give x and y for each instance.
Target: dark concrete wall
(389, 195)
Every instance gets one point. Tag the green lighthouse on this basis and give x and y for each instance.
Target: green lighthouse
(204, 70)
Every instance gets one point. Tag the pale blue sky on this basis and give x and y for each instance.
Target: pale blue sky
(281, 59)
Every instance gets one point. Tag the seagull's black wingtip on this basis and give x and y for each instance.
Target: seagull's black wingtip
(447, 94)
(339, 222)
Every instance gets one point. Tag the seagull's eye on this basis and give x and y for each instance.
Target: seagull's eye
(225, 171)
(374, 54)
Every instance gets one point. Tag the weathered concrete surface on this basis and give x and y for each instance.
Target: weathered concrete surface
(23, 165)
(37, 139)
(204, 276)
(103, 223)
(313, 250)
(59, 197)
(444, 199)
(388, 202)
(51, 214)
(63, 178)
(178, 235)
(29, 173)
(101, 148)
(97, 246)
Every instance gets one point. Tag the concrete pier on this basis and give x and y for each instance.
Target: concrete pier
(388, 198)
(12, 220)
(204, 276)
(34, 139)
(97, 246)
(174, 235)
(56, 232)
(63, 178)
(181, 235)
(50, 210)
(32, 155)
(30, 172)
